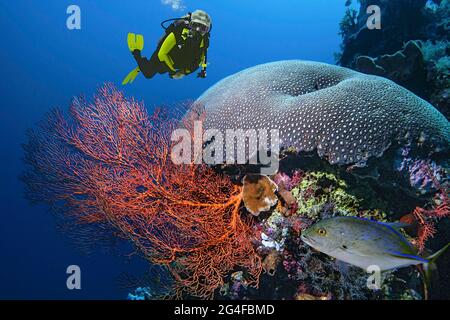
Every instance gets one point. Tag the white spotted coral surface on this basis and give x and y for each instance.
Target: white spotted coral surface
(345, 115)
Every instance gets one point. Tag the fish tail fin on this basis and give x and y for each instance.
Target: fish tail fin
(429, 268)
(437, 254)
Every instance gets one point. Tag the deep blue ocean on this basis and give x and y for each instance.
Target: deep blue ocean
(44, 64)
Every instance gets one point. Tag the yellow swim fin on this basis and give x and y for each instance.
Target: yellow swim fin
(135, 41)
(131, 39)
(131, 76)
(139, 42)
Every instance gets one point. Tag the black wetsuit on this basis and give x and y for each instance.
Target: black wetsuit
(186, 55)
(152, 66)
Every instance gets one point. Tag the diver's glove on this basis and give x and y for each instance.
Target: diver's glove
(177, 75)
(202, 74)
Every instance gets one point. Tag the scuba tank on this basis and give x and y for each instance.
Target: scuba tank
(176, 27)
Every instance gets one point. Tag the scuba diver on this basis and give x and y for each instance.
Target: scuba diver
(181, 51)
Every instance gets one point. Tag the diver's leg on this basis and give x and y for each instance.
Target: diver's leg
(147, 66)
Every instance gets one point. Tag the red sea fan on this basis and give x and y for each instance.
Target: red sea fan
(427, 218)
(108, 165)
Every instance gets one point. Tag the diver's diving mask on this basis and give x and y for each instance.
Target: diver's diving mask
(200, 28)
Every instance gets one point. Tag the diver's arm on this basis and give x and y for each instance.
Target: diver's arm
(203, 61)
(203, 64)
(203, 56)
(166, 47)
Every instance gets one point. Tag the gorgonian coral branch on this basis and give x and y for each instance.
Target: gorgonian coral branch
(108, 164)
(426, 218)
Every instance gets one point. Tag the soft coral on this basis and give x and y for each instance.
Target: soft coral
(427, 218)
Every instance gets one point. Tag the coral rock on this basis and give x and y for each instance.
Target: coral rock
(306, 296)
(346, 116)
(289, 202)
(270, 262)
(259, 193)
(402, 20)
(403, 67)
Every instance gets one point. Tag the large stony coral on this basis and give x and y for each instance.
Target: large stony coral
(346, 116)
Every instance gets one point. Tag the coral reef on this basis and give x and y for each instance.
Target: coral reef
(348, 117)
(317, 111)
(348, 23)
(426, 219)
(422, 174)
(437, 62)
(420, 25)
(293, 270)
(405, 67)
(140, 294)
(412, 49)
(108, 165)
(402, 20)
(318, 190)
(155, 284)
(258, 193)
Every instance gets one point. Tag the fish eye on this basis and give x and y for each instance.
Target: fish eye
(321, 231)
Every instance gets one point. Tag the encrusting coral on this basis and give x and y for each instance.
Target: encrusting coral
(318, 189)
(258, 193)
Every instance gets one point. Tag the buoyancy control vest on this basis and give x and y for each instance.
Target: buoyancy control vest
(189, 49)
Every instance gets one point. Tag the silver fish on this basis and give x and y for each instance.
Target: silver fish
(363, 243)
